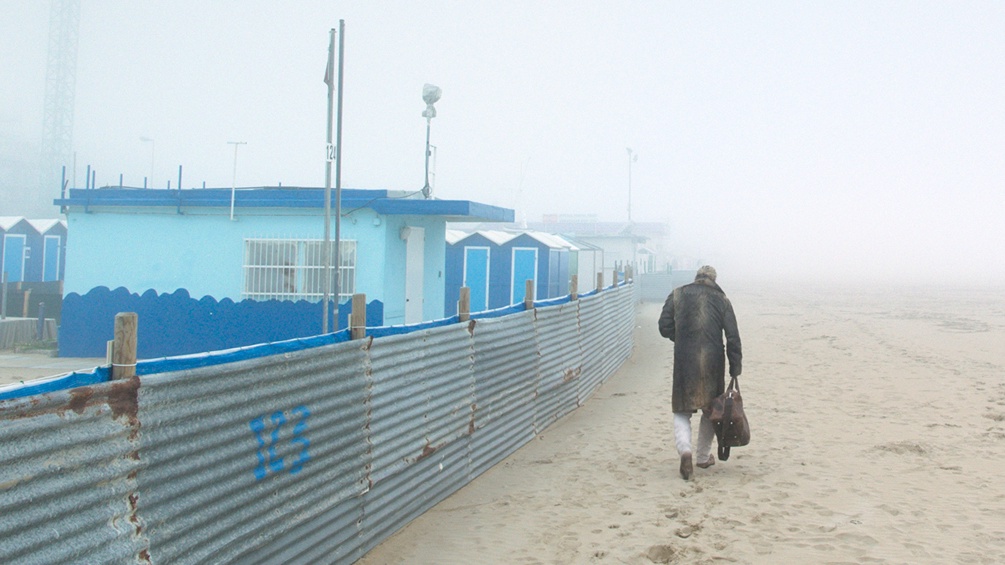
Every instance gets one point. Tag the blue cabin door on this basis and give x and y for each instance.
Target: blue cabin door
(524, 269)
(476, 276)
(14, 256)
(50, 258)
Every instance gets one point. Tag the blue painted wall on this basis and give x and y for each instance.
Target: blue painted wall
(201, 253)
(59, 230)
(11, 251)
(204, 252)
(177, 324)
(499, 273)
(551, 281)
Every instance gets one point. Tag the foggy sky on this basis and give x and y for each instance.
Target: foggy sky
(851, 140)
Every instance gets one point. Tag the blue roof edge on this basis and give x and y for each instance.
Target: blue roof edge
(378, 200)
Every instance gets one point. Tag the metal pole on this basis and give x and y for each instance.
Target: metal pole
(426, 190)
(233, 185)
(326, 248)
(631, 157)
(338, 170)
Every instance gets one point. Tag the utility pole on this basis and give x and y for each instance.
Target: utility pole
(334, 152)
(632, 157)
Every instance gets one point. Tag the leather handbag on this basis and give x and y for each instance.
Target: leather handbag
(728, 419)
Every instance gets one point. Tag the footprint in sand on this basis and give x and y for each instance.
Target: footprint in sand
(902, 448)
(660, 553)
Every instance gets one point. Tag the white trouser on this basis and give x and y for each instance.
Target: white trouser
(682, 431)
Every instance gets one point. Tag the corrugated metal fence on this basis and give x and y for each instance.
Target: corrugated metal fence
(306, 451)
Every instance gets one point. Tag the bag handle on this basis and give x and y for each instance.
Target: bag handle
(733, 384)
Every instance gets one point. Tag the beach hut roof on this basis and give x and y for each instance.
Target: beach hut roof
(7, 222)
(43, 226)
(495, 236)
(500, 237)
(551, 240)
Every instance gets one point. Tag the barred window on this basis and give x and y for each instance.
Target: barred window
(293, 269)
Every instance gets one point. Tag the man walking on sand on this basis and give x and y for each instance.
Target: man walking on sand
(695, 317)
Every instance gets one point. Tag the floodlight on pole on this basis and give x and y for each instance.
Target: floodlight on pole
(144, 139)
(430, 95)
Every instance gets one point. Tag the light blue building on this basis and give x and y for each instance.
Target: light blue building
(268, 246)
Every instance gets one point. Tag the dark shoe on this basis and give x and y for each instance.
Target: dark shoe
(685, 466)
(708, 463)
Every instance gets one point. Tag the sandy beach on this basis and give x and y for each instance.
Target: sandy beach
(20, 367)
(878, 436)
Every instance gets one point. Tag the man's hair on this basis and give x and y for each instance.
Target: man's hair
(705, 272)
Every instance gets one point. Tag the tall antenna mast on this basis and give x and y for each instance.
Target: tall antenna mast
(60, 88)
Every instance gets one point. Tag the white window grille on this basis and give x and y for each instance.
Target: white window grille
(293, 269)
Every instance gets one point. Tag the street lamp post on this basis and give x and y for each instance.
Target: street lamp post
(430, 95)
(233, 184)
(151, 160)
(632, 157)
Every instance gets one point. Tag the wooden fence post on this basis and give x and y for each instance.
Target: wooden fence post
(600, 281)
(464, 304)
(357, 319)
(574, 287)
(124, 348)
(528, 297)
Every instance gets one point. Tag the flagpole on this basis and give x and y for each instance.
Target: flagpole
(338, 170)
(326, 247)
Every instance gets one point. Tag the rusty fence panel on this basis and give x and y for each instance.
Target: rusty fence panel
(557, 330)
(244, 461)
(624, 322)
(307, 453)
(421, 394)
(506, 368)
(68, 477)
(592, 338)
(610, 331)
